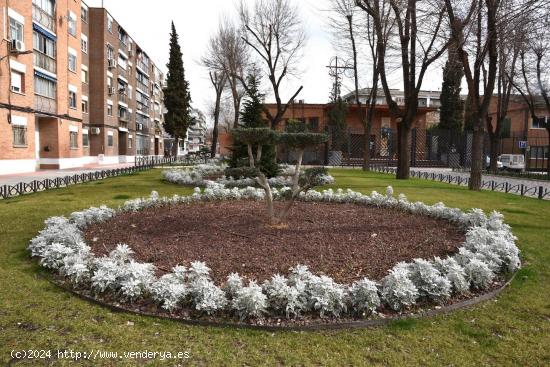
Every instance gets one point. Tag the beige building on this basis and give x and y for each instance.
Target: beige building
(75, 89)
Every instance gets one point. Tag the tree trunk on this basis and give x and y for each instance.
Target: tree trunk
(404, 152)
(175, 147)
(493, 155)
(477, 158)
(215, 134)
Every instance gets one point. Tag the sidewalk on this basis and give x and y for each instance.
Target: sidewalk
(51, 174)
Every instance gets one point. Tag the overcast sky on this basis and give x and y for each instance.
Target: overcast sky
(148, 23)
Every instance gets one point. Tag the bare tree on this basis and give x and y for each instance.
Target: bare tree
(418, 40)
(533, 82)
(228, 53)
(219, 81)
(274, 31)
(348, 24)
(511, 32)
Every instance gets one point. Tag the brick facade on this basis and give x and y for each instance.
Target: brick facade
(69, 67)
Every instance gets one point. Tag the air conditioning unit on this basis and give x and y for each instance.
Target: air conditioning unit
(17, 46)
(111, 91)
(95, 130)
(111, 63)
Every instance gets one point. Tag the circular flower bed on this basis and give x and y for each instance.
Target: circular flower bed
(487, 255)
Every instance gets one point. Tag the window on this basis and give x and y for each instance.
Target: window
(109, 82)
(539, 123)
(85, 139)
(84, 13)
(46, 5)
(122, 62)
(17, 82)
(109, 23)
(19, 135)
(72, 63)
(539, 152)
(44, 87)
(84, 74)
(110, 52)
(71, 24)
(85, 106)
(84, 43)
(130, 143)
(73, 139)
(110, 141)
(16, 30)
(43, 45)
(109, 110)
(314, 124)
(72, 100)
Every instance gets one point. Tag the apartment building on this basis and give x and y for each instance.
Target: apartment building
(75, 89)
(196, 134)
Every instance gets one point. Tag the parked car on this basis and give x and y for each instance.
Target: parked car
(488, 163)
(514, 162)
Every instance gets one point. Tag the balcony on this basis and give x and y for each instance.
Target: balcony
(143, 65)
(45, 62)
(43, 18)
(122, 72)
(45, 104)
(123, 97)
(142, 108)
(142, 86)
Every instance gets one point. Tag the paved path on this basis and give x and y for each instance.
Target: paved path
(44, 174)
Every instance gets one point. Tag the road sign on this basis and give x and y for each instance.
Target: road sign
(523, 144)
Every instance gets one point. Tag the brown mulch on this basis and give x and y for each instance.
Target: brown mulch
(345, 241)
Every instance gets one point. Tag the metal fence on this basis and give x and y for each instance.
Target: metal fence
(534, 190)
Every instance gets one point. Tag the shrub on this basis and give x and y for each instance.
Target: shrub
(233, 284)
(250, 302)
(428, 281)
(363, 296)
(454, 273)
(282, 297)
(398, 291)
(169, 290)
(326, 296)
(206, 296)
(479, 274)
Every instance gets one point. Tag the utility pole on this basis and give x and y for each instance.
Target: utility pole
(336, 70)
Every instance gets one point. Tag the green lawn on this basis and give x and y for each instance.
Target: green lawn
(513, 330)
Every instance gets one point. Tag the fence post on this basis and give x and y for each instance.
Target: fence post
(522, 189)
(541, 192)
(493, 185)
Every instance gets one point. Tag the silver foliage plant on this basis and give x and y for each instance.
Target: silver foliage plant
(488, 252)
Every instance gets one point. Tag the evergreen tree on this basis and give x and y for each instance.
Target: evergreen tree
(452, 107)
(177, 97)
(337, 123)
(252, 117)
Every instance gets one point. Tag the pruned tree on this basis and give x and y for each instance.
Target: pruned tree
(274, 32)
(177, 97)
(301, 181)
(417, 41)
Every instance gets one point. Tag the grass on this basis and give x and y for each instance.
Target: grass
(512, 330)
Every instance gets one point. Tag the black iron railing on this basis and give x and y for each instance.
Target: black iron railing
(533, 191)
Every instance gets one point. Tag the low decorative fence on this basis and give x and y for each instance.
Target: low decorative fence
(533, 191)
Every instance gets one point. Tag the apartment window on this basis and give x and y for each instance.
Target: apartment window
(539, 123)
(314, 124)
(43, 45)
(85, 139)
(109, 24)
(84, 106)
(130, 143)
(84, 14)
(109, 110)
(71, 24)
(16, 30)
(73, 139)
(44, 87)
(84, 74)
(84, 44)
(19, 135)
(110, 141)
(72, 63)
(17, 82)
(46, 5)
(110, 52)
(72, 100)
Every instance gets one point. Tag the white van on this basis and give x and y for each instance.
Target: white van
(515, 162)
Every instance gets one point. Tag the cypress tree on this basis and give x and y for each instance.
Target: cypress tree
(452, 107)
(177, 97)
(252, 117)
